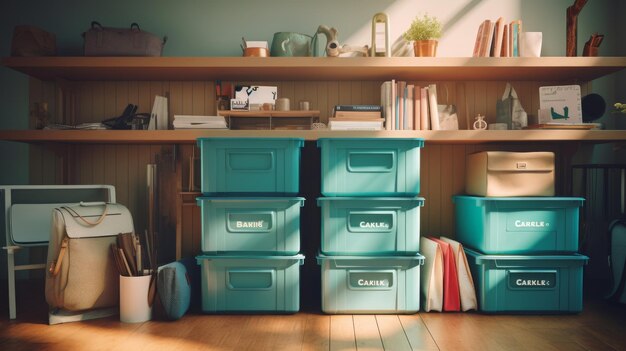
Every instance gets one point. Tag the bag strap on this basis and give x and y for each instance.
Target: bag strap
(55, 266)
(88, 222)
(135, 26)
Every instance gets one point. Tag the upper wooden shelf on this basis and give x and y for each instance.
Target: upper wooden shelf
(190, 136)
(317, 68)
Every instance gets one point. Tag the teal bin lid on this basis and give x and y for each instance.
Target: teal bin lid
(255, 199)
(417, 257)
(298, 257)
(479, 200)
(300, 141)
(518, 260)
(419, 142)
(418, 200)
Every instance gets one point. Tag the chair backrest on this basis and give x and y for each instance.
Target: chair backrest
(27, 209)
(30, 224)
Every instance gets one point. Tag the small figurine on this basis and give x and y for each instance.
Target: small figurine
(480, 123)
(332, 44)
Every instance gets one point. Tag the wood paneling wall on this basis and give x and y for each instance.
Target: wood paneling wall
(442, 166)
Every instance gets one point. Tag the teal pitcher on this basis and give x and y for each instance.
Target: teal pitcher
(293, 44)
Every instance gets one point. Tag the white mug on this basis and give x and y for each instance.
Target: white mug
(530, 44)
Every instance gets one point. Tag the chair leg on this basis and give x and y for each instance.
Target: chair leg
(11, 278)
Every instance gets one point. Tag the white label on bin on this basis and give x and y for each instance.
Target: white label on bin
(375, 221)
(250, 222)
(532, 279)
(532, 221)
(370, 280)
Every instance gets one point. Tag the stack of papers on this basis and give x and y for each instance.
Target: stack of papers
(199, 122)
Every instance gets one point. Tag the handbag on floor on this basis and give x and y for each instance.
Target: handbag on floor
(81, 271)
(617, 260)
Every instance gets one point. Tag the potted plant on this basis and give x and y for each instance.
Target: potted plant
(424, 32)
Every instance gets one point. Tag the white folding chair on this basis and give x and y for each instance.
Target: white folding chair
(27, 215)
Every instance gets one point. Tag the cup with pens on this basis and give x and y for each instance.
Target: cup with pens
(136, 264)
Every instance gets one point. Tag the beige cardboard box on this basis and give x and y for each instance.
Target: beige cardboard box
(501, 174)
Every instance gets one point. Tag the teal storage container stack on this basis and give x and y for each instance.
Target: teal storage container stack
(522, 252)
(250, 216)
(369, 254)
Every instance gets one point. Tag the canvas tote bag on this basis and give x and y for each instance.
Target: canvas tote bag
(81, 271)
(509, 110)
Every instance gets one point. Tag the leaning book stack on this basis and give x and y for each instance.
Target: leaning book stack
(357, 117)
(199, 122)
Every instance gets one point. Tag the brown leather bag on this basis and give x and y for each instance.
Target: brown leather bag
(32, 41)
(106, 41)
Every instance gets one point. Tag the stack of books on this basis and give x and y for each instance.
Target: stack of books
(409, 106)
(498, 39)
(357, 117)
(199, 122)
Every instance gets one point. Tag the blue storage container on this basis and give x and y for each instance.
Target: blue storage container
(370, 166)
(358, 284)
(520, 283)
(269, 284)
(256, 166)
(518, 225)
(256, 225)
(370, 226)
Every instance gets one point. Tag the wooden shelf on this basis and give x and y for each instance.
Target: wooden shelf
(317, 68)
(190, 136)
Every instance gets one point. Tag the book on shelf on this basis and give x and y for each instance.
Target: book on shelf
(377, 108)
(515, 29)
(355, 125)
(478, 42)
(432, 104)
(385, 101)
(498, 33)
(159, 115)
(506, 52)
(358, 114)
(424, 115)
(487, 36)
(417, 109)
(408, 107)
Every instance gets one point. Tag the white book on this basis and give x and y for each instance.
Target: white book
(156, 107)
(432, 104)
(163, 116)
(431, 278)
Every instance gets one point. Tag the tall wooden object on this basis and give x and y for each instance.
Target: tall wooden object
(572, 26)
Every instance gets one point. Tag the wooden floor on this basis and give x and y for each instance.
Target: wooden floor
(601, 326)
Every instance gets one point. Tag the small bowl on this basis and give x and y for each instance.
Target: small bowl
(256, 52)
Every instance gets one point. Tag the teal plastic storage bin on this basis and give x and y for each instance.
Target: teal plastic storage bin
(255, 225)
(268, 284)
(256, 166)
(370, 166)
(370, 225)
(521, 283)
(518, 225)
(365, 285)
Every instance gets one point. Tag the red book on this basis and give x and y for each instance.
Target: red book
(451, 294)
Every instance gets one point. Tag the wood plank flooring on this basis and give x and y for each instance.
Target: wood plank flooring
(601, 326)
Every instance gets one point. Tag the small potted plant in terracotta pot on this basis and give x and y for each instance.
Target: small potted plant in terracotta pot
(424, 32)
